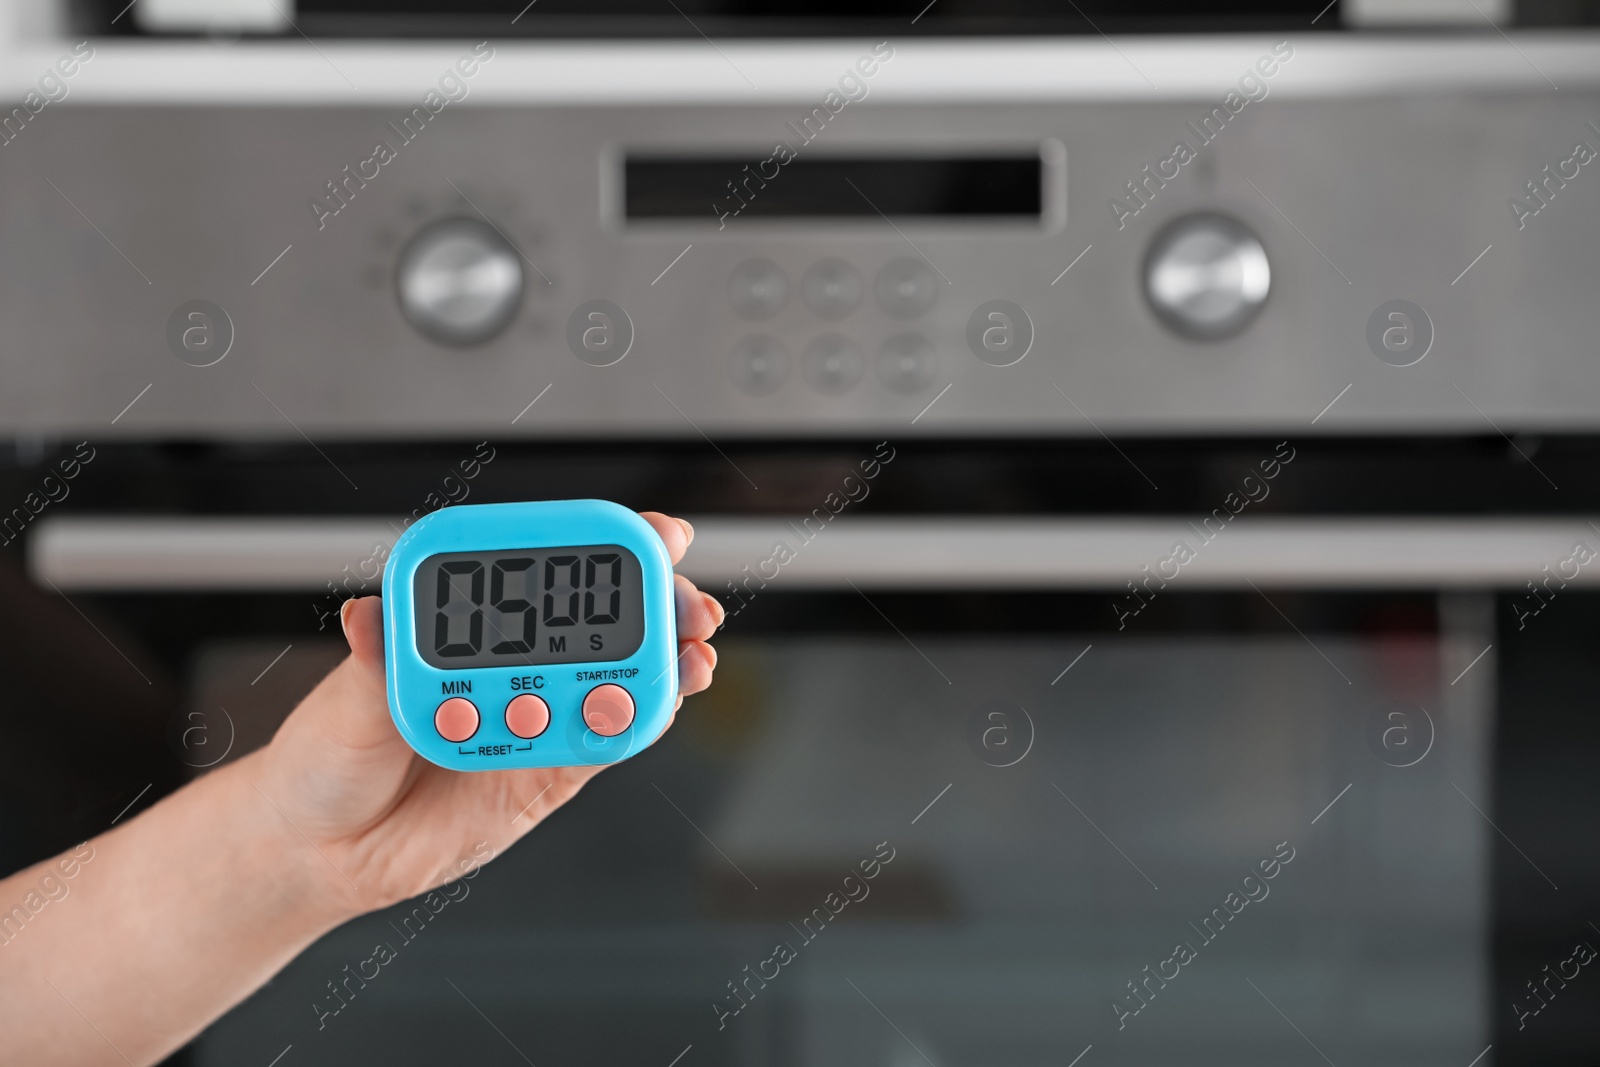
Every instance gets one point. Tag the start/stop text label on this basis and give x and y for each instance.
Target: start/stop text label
(608, 675)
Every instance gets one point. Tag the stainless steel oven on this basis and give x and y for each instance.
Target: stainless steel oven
(1151, 480)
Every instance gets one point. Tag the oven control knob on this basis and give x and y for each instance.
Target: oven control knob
(1206, 276)
(459, 281)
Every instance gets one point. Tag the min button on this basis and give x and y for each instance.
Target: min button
(456, 719)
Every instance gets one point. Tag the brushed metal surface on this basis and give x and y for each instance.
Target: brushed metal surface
(942, 70)
(1007, 553)
(113, 217)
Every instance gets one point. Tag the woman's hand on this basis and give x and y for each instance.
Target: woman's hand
(161, 924)
(386, 823)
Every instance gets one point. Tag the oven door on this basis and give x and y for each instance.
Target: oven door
(967, 790)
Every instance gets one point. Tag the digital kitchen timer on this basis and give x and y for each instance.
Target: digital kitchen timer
(537, 634)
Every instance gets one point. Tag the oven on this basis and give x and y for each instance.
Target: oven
(1159, 596)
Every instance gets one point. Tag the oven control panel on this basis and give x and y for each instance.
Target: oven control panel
(537, 634)
(993, 268)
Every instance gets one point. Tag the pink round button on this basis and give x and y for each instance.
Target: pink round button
(456, 719)
(527, 715)
(608, 710)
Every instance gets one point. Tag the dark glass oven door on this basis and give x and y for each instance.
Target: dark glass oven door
(912, 837)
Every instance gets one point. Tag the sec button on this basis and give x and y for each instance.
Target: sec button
(527, 715)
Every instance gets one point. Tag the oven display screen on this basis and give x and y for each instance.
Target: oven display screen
(709, 188)
(532, 606)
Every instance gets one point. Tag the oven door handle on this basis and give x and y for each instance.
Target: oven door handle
(281, 554)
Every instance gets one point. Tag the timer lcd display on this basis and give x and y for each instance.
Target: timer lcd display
(529, 606)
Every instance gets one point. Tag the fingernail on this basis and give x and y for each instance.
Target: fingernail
(688, 531)
(344, 617)
(717, 609)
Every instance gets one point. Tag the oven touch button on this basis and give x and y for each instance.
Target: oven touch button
(832, 364)
(906, 288)
(831, 288)
(757, 289)
(759, 365)
(608, 710)
(907, 363)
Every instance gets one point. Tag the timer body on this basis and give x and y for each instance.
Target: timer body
(537, 634)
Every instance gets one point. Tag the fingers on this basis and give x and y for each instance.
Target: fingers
(699, 614)
(696, 662)
(674, 533)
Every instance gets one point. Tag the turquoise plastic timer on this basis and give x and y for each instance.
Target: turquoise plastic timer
(537, 634)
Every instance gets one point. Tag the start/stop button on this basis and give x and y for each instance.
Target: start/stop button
(608, 710)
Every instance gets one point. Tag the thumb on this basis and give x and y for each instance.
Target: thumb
(362, 619)
(338, 763)
(351, 706)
